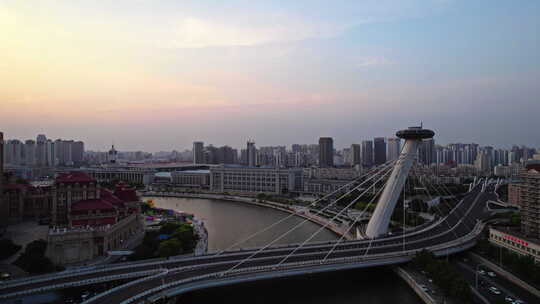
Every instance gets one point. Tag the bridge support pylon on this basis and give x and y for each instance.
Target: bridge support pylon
(378, 224)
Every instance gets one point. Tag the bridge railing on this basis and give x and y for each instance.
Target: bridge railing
(463, 242)
(78, 283)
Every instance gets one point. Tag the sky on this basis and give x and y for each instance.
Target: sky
(157, 75)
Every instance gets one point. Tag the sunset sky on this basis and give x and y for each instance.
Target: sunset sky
(156, 75)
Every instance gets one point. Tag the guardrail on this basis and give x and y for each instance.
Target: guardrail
(463, 242)
(112, 290)
(78, 283)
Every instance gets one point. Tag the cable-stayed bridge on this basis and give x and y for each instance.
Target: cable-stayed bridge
(453, 232)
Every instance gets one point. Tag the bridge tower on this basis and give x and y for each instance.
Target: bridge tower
(378, 224)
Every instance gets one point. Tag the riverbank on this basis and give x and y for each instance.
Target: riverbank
(299, 211)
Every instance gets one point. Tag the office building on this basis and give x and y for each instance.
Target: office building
(367, 153)
(198, 152)
(326, 152)
(394, 148)
(254, 180)
(379, 150)
(356, 153)
(251, 153)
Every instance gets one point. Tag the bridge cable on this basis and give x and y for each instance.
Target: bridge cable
(452, 210)
(426, 190)
(374, 170)
(300, 224)
(455, 199)
(329, 221)
(353, 224)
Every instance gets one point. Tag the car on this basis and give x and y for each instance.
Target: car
(481, 272)
(494, 290)
(491, 274)
(85, 295)
(509, 299)
(519, 302)
(5, 276)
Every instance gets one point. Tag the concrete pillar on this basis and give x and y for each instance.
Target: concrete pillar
(378, 224)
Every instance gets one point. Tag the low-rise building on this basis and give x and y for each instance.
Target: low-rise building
(192, 178)
(515, 242)
(322, 186)
(245, 179)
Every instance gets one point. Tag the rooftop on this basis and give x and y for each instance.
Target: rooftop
(74, 177)
(92, 204)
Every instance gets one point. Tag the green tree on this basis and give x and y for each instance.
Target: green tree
(170, 247)
(33, 259)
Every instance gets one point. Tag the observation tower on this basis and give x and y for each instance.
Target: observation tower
(378, 224)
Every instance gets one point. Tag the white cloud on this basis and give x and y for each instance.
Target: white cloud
(371, 61)
(199, 33)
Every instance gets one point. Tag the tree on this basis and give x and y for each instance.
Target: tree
(169, 228)
(33, 259)
(186, 236)
(169, 248)
(8, 248)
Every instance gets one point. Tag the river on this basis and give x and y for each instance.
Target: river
(228, 222)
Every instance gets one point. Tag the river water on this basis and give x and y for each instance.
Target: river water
(228, 222)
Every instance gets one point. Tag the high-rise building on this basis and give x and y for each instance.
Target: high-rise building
(77, 152)
(326, 152)
(198, 152)
(427, 153)
(41, 150)
(112, 155)
(356, 153)
(379, 149)
(251, 154)
(30, 152)
(367, 153)
(394, 148)
(530, 200)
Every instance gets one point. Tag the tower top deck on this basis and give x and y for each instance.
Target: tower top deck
(415, 133)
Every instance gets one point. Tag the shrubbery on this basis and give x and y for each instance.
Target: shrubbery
(33, 259)
(8, 248)
(180, 239)
(523, 266)
(444, 275)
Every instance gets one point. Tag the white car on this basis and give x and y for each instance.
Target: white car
(481, 272)
(491, 274)
(494, 290)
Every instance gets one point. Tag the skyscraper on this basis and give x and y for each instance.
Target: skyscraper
(251, 154)
(367, 153)
(427, 152)
(394, 148)
(30, 152)
(379, 147)
(326, 152)
(41, 150)
(198, 152)
(356, 154)
(77, 152)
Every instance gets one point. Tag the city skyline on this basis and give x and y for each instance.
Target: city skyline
(189, 146)
(173, 72)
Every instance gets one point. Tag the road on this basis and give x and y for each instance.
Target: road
(468, 268)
